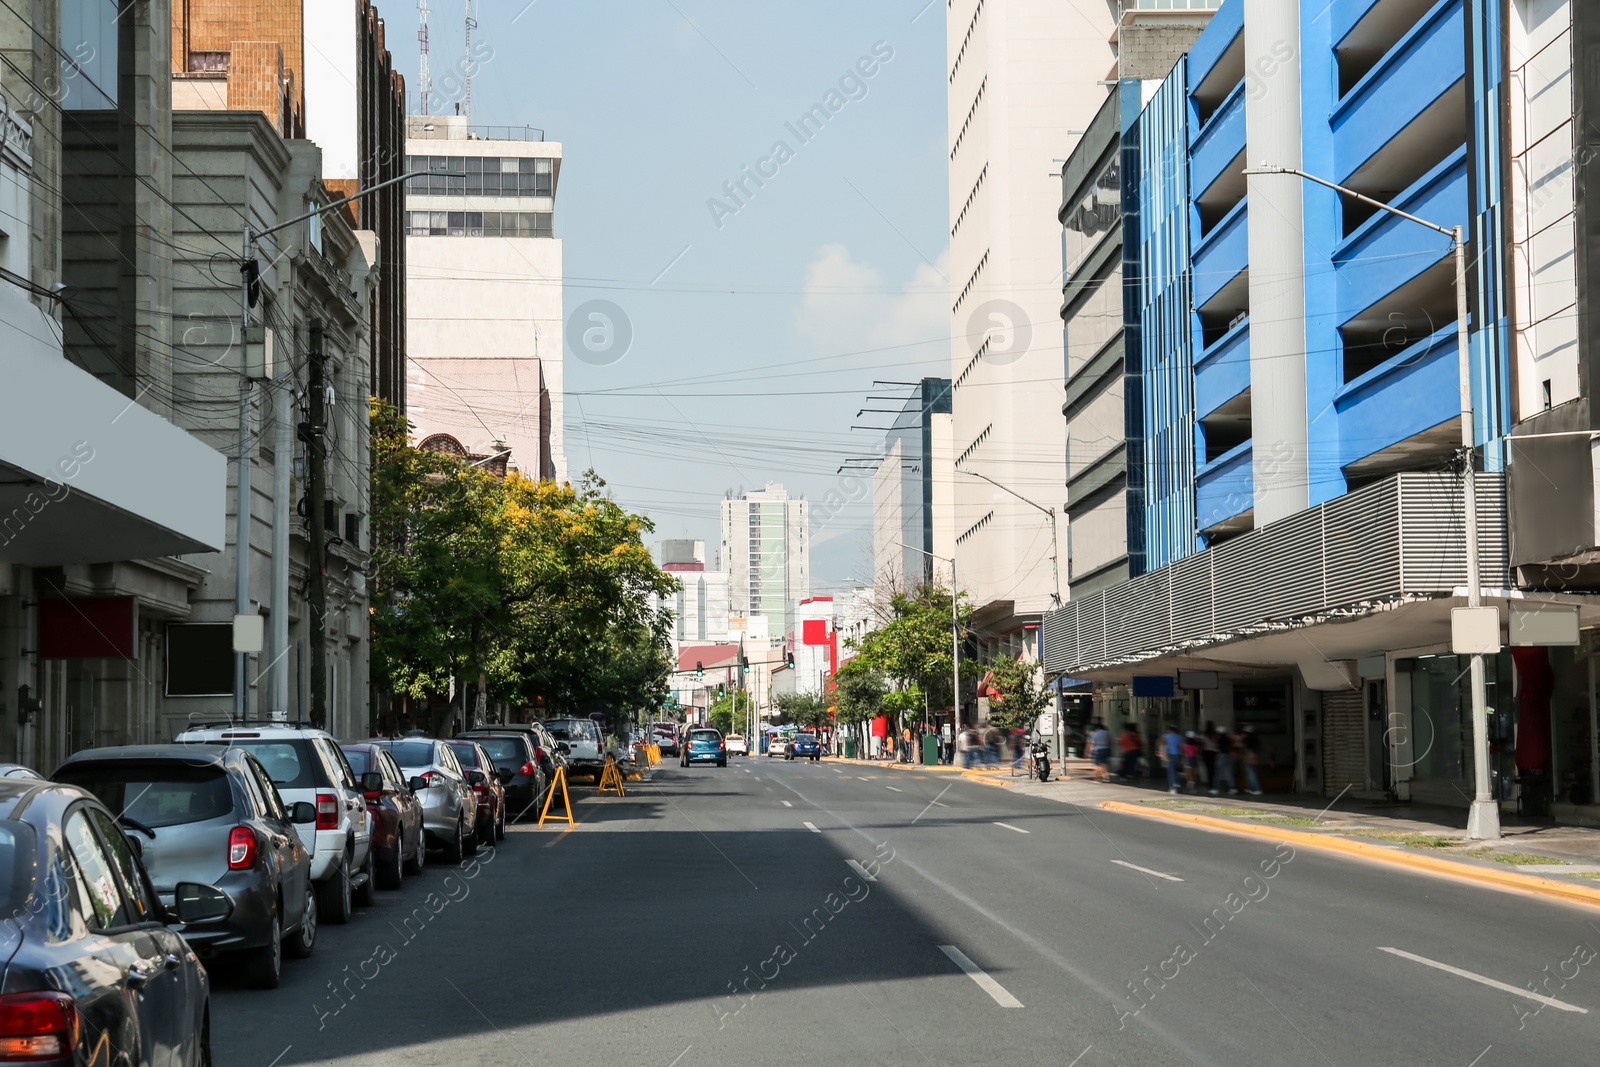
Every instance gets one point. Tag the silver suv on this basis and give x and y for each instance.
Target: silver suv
(306, 765)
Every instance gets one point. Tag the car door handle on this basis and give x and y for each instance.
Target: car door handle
(139, 974)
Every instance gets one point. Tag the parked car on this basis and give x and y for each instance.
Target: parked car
(17, 770)
(805, 746)
(738, 745)
(518, 761)
(94, 973)
(704, 744)
(396, 813)
(211, 815)
(484, 778)
(665, 734)
(777, 745)
(449, 807)
(584, 750)
(306, 765)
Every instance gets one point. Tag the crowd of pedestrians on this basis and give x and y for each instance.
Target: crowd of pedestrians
(1211, 758)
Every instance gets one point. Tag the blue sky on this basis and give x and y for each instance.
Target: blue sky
(757, 327)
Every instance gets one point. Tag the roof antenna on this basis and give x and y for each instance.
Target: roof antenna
(424, 80)
(472, 24)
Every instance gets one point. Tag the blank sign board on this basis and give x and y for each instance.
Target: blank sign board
(1544, 624)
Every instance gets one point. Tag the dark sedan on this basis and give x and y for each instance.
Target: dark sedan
(94, 974)
(518, 762)
(211, 815)
(486, 787)
(397, 841)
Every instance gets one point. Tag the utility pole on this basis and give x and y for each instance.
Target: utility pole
(317, 493)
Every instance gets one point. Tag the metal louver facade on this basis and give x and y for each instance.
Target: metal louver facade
(1398, 538)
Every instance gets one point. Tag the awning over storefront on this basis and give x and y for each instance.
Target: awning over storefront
(1377, 569)
(86, 474)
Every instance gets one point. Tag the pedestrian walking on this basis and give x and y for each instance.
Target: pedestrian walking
(1100, 751)
(992, 740)
(1132, 746)
(967, 745)
(1191, 762)
(906, 741)
(1208, 753)
(1172, 748)
(1019, 746)
(1223, 765)
(1252, 747)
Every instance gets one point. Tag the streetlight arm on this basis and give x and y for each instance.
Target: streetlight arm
(337, 203)
(1365, 199)
(1007, 489)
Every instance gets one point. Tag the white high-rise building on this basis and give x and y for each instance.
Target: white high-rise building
(700, 606)
(483, 292)
(1022, 76)
(766, 551)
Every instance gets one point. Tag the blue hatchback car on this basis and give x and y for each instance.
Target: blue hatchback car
(704, 745)
(805, 746)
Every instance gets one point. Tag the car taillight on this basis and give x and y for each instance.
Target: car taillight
(242, 847)
(37, 1026)
(327, 811)
(722, 744)
(479, 788)
(527, 770)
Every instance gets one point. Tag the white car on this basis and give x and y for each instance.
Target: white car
(737, 745)
(306, 765)
(777, 745)
(580, 740)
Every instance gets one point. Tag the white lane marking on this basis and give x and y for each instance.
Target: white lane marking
(786, 804)
(1146, 870)
(864, 778)
(896, 790)
(812, 827)
(1018, 829)
(985, 983)
(1481, 980)
(862, 871)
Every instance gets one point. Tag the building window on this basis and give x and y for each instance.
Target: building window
(482, 176)
(89, 55)
(480, 224)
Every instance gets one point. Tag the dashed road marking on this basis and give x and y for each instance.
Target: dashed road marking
(976, 973)
(1146, 870)
(812, 827)
(1018, 829)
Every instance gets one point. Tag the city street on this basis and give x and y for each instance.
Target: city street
(728, 916)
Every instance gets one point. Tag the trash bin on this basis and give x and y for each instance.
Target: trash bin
(930, 751)
(849, 748)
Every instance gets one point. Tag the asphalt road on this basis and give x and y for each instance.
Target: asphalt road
(924, 920)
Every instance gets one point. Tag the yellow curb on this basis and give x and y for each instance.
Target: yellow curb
(976, 776)
(1524, 883)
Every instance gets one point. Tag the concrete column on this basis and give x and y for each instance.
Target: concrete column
(282, 462)
(1277, 260)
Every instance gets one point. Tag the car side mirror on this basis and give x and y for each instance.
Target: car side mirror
(372, 782)
(476, 778)
(302, 811)
(417, 784)
(194, 902)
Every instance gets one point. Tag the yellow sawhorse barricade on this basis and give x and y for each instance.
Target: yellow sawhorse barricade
(611, 777)
(566, 801)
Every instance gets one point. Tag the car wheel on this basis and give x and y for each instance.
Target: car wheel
(336, 902)
(394, 869)
(263, 967)
(304, 940)
(722, 763)
(419, 859)
(481, 832)
(457, 848)
(367, 895)
(500, 825)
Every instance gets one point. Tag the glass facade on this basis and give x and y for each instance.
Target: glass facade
(481, 176)
(89, 60)
(480, 224)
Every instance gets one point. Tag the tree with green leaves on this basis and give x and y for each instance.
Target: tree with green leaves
(801, 709)
(859, 689)
(725, 717)
(538, 588)
(912, 650)
(1018, 695)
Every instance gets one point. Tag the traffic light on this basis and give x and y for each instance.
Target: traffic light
(789, 659)
(744, 664)
(699, 669)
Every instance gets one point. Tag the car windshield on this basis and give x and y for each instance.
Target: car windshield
(573, 730)
(411, 753)
(18, 858)
(166, 794)
(466, 752)
(503, 749)
(288, 761)
(360, 760)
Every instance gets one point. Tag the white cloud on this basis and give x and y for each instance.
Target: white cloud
(848, 307)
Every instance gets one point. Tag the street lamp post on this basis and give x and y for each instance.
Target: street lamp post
(955, 643)
(1483, 820)
(1055, 553)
